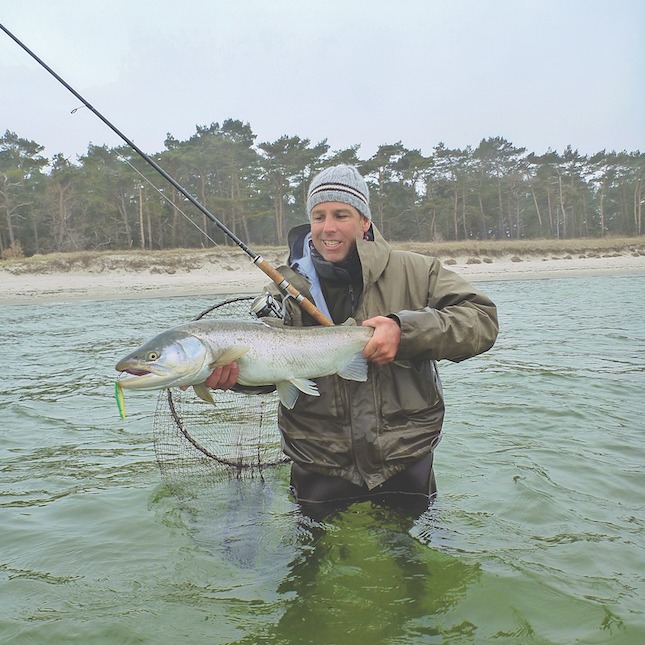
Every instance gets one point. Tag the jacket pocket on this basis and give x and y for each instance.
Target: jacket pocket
(409, 392)
(329, 405)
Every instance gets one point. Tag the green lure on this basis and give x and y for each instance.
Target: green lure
(120, 401)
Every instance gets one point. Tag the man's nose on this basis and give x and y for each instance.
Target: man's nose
(329, 224)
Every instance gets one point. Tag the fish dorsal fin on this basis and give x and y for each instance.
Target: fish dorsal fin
(204, 393)
(288, 390)
(355, 369)
(229, 356)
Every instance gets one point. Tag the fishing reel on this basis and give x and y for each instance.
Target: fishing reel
(264, 306)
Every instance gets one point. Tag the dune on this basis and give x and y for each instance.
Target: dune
(117, 276)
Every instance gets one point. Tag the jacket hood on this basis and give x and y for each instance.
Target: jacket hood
(374, 252)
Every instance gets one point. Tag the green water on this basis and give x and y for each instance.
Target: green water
(538, 534)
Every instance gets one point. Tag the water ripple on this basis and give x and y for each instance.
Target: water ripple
(538, 534)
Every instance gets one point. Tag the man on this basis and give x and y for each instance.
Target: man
(374, 439)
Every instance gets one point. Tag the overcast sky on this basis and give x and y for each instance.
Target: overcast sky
(540, 73)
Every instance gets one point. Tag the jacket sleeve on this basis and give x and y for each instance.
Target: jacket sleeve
(458, 323)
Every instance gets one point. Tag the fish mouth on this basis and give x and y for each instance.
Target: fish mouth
(140, 380)
(134, 372)
(137, 369)
(143, 377)
(149, 377)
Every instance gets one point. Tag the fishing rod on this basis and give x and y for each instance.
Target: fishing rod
(283, 284)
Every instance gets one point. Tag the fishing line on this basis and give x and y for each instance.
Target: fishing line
(220, 248)
(283, 284)
(201, 230)
(250, 427)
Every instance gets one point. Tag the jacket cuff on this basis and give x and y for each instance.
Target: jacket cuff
(396, 318)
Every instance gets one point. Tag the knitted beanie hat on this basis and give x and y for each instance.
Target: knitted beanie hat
(340, 184)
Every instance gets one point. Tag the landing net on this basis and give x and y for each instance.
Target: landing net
(237, 437)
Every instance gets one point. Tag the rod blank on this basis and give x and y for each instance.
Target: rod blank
(262, 264)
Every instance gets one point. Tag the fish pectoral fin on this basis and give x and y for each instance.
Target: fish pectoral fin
(229, 356)
(204, 393)
(288, 390)
(355, 369)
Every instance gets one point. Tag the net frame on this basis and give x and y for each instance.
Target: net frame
(238, 437)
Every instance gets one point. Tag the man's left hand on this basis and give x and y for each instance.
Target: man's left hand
(384, 344)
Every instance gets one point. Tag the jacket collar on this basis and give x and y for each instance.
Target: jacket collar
(374, 253)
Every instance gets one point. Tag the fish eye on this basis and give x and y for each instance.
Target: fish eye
(152, 356)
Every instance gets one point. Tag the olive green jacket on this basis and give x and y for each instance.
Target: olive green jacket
(368, 432)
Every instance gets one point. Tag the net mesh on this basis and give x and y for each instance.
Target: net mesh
(238, 437)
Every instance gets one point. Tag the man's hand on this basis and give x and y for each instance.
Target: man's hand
(223, 378)
(384, 344)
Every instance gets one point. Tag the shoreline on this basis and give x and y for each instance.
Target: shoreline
(242, 277)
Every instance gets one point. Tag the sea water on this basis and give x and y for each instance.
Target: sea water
(537, 535)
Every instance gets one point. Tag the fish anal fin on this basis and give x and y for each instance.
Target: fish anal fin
(288, 390)
(306, 385)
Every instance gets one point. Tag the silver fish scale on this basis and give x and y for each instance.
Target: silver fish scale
(282, 353)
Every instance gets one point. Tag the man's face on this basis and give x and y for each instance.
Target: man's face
(334, 229)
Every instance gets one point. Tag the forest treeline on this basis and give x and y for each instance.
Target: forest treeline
(110, 198)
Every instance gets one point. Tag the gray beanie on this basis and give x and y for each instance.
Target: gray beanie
(340, 184)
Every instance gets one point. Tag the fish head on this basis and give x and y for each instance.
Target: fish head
(171, 359)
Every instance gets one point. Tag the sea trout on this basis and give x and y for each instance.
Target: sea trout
(267, 354)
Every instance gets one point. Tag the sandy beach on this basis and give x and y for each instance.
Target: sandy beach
(234, 273)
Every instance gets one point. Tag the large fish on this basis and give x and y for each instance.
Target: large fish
(267, 354)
